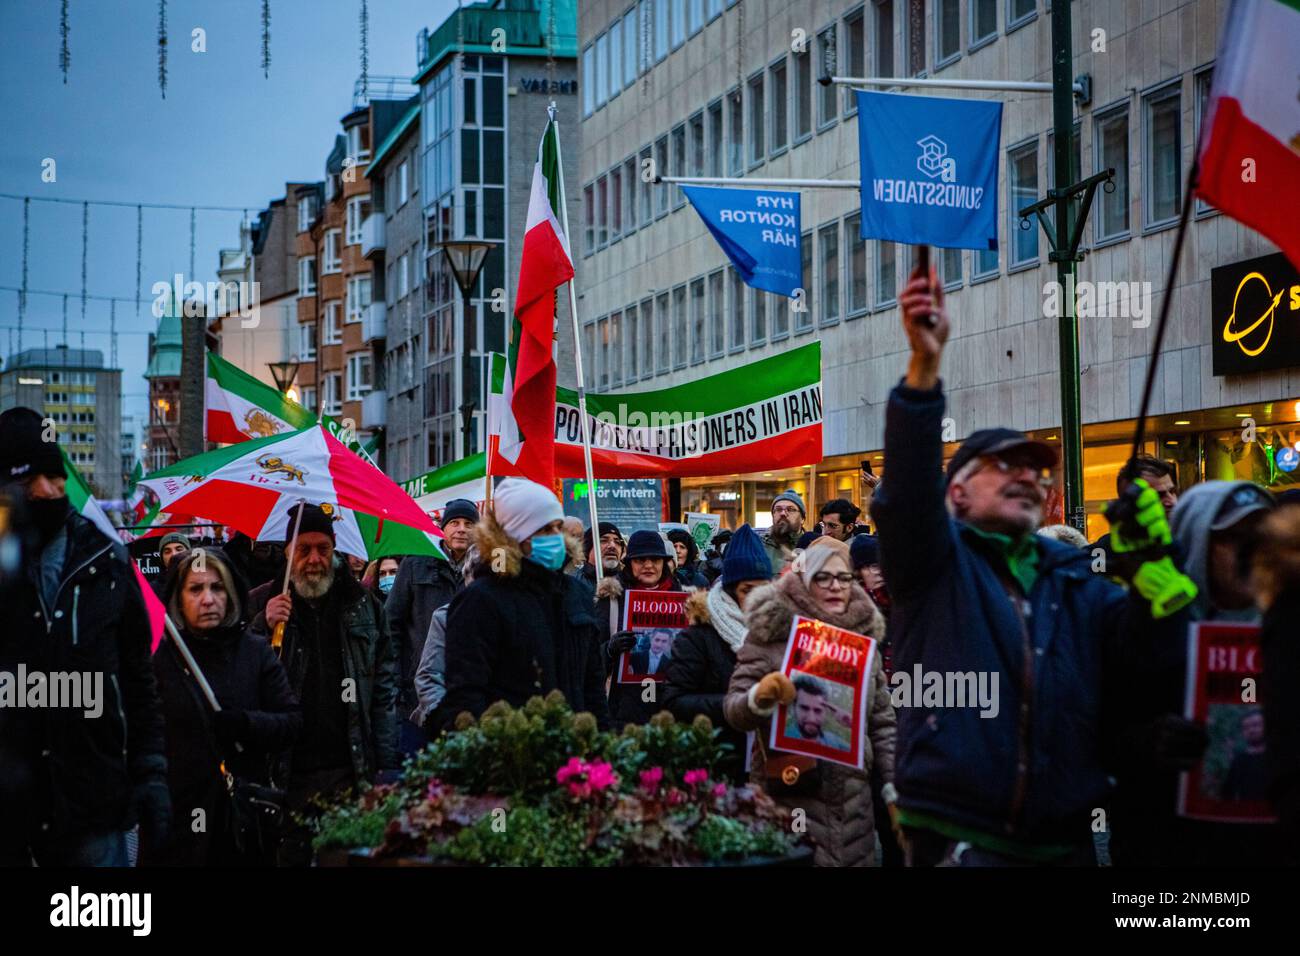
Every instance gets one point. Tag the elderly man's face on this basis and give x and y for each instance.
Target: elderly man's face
(456, 533)
(809, 713)
(1003, 493)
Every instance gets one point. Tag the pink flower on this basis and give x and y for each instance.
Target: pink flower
(675, 797)
(650, 779)
(719, 791)
(694, 777)
(601, 776)
(574, 767)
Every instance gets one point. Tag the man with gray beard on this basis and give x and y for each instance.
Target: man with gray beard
(342, 666)
(788, 513)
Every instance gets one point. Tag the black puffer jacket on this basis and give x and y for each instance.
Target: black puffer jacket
(423, 585)
(369, 660)
(245, 676)
(518, 631)
(82, 768)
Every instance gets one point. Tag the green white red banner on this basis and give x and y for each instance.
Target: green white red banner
(466, 479)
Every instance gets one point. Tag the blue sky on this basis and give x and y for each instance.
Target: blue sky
(224, 136)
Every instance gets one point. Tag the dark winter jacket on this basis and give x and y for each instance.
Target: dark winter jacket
(625, 700)
(518, 631)
(82, 768)
(698, 673)
(423, 585)
(369, 661)
(246, 677)
(1033, 773)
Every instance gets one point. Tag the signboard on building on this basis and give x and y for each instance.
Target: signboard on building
(631, 503)
(1255, 321)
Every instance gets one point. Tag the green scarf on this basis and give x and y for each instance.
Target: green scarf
(1020, 555)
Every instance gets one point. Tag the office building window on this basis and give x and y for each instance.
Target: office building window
(403, 182)
(589, 218)
(630, 47)
(697, 321)
(630, 215)
(602, 212)
(802, 95)
(615, 58)
(757, 137)
(717, 315)
(661, 28)
(777, 90)
(695, 127)
(644, 185)
(735, 133)
(648, 338)
(589, 351)
(615, 203)
(662, 334)
(1019, 12)
(680, 329)
(827, 96)
(661, 169)
(779, 309)
(886, 273)
(884, 33)
(679, 163)
(803, 317)
(983, 20)
(602, 353)
(757, 316)
(949, 263)
(828, 243)
(602, 70)
(856, 259)
(360, 375)
(736, 314)
(331, 255)
(696, 22)
(679, 22)
(914, 37)
(947, 32)
(631, 340)
(1162, 156)
(717, 141)
(854, 55)
(1022, 189)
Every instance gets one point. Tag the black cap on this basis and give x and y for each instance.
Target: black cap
(1243, 502)
(606, 527)
(647, 544)
(459, 508)
(864, 549)
(995, 441)
(314, 520)
(24, 452)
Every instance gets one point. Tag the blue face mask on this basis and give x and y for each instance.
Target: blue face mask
(386, 582)
(549, 551)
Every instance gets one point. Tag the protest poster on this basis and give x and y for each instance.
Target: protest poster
(829, 668)
(702, 527)
(1229, 784)
(656, 617)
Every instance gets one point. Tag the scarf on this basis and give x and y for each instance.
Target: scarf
(727, 618)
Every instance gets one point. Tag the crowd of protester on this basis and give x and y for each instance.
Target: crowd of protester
(953, 570)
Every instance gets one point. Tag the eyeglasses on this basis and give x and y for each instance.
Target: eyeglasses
(1006, 467)
(790, 510)
(823, 579)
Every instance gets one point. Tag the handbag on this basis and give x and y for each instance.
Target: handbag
(256, 820)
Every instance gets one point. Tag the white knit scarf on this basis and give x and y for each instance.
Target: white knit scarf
(727, 618)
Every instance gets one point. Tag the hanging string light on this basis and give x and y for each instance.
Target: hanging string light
(139, 246)
(266, 38)
(65, 57)
(112, 332)
(65, 320)
(162, 47)
(85, 247)
(22, 294)
(191, 276)
(365, 52)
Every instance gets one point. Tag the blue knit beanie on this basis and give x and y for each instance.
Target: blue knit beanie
(864, 549)
(745, 559)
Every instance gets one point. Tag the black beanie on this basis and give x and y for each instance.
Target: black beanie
(606, 527)
(314, 519)
(23, 449)
(459, 508)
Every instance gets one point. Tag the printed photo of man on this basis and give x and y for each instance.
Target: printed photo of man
(653, 658)
(810, 712)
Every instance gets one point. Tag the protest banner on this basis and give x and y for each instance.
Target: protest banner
(1230, 783)
(829, 667)
(656, 617)
(459, 479)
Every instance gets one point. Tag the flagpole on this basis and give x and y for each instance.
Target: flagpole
(577, 357)
(190, 662)
(277, 635)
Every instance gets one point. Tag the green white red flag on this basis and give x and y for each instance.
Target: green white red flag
(526, 435)
(759, 417)
(1250, 149)
(466, 479)
(252, 486)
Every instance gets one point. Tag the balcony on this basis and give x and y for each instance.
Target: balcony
(374, 408)
(372, 235)
(374, 322)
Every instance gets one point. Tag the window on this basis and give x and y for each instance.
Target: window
(630, 220)
(630, 47)
(984, 265)
(331, 260)
(697, 321)
(949, 266)
(737, 313)
(415, 269)
(360, 375)
(914, 37)
(602, 70)
(1019, 12)
(615, 58)
(661, 29)
(696, 21)
(402, 288)
(306, 276)
(757, 139)
(947, 32)
(616, 349)
(359, 143)
(884, 17)
(735, 134)
(333, 322)
(802, 95)
(644, 186)
(661, 169)
(777, 90)
(358, 297)
(717, 315)
(333, 394)
(828, 243)
(696, 128)
(717, 143)
(1076, 167)
(588, 81)
(983, 21)
(1203, 83)
(602, 351)
(358, 210)
(306, 212)
(631, 340)
(856, 259)
(663, 323)
(615, 203)
(827, 96)
(679, 22)
(1162, 190)
(648, 337)
(602, 212)
(803, 314)
(589, 350)
(679, 326)
(854, 55)
(779, 309)
(403, 183)
(1022, 188)
(679, 163)
(589, 218)
(886, 273)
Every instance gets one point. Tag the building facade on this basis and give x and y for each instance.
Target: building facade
(163, 373)
(251, 331)
(486, 78)
(74, 390)
(726, 88)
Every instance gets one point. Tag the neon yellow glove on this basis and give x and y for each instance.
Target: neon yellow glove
(1164, 586)
(1147, 526)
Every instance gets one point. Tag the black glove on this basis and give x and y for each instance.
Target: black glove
(151, 808)
(620, 643)
(1175, 742)
(230, 727)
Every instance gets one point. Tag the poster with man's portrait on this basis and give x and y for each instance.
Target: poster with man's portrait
(656, 618)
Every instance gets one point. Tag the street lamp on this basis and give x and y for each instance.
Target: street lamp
(284, 373)
(465, 257)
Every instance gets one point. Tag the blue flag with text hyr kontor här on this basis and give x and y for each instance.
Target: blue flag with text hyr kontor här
(758, 229)
(929, 170)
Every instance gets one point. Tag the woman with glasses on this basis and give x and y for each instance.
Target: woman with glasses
(835, 799)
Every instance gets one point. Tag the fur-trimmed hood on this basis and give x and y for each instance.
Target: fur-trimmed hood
(501, 555)
(610, 587)
(771, 610)
(697, 607)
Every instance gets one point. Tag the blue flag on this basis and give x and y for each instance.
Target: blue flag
(758, 229)
(929, 170)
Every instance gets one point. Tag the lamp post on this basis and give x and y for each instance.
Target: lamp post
(465, 257)
(284, 373)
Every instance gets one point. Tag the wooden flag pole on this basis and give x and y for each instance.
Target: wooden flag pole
(277, 635)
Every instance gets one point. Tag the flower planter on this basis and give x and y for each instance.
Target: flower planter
(363, 857)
